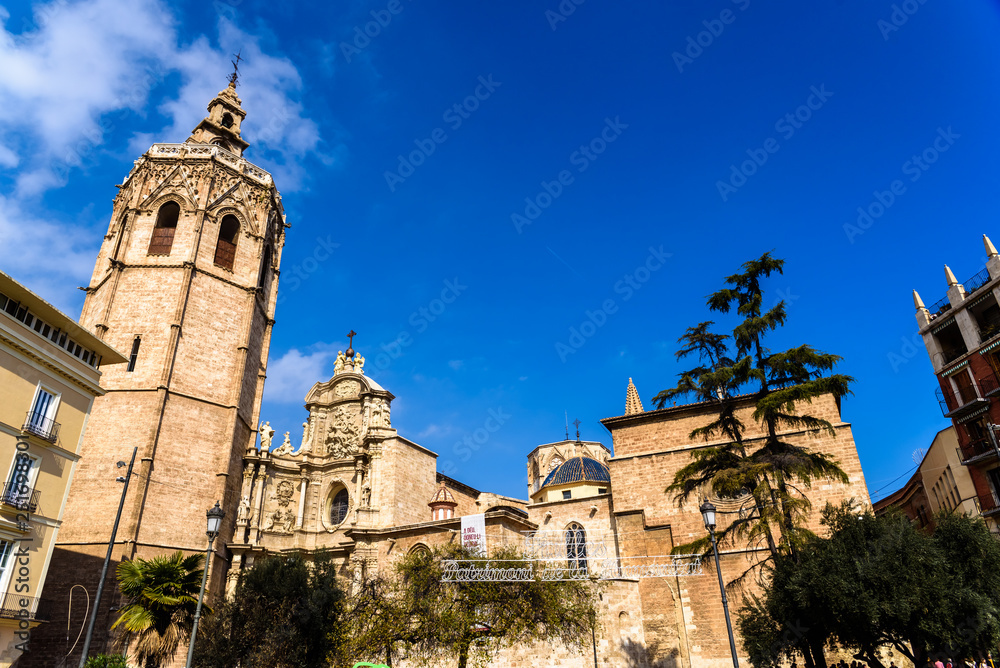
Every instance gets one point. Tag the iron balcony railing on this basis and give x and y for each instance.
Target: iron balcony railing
(41, 426)
(19, 606)
(988, 504)
(977, 450)
(968, 397)
(977, 281)
(20, 497)
(939, 307)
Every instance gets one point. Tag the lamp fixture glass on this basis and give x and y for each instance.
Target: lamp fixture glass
(708, 514)
(215, 515)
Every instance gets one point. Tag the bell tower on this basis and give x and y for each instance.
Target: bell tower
(185, 283)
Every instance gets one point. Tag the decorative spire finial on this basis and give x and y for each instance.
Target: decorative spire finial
(234, 78)
(633, 404)
(350, 344)
(950, 276)
(577, 423)
(917, 301)
(991, 250)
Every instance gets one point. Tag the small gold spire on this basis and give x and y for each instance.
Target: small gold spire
(950, 276)
(991, 250)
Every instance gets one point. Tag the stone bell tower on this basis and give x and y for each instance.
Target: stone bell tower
(185, 283)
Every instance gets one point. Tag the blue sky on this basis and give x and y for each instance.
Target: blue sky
(620, 123)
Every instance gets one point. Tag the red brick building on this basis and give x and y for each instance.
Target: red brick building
(962, 335)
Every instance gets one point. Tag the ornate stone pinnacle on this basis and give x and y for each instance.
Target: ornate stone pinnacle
(990, 248)
(917, 301)
(633, 404)
(950, 276)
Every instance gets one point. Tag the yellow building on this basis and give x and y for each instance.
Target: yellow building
(48, 380)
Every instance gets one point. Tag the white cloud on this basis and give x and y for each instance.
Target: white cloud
(290, 376)
(456, 364)
(82, 72)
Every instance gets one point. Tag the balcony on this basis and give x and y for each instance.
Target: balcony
(988, 504)
(41, 426)
(17, 496)
(14, 605)
(977, 451)
(939, 307)
(976, 282)
(968, 397)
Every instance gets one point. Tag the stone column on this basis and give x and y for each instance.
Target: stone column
(304, 483)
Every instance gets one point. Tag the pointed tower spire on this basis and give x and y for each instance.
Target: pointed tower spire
(950, 276)
(633, 404)
(222, 125)
(917, 301)
(991, 250)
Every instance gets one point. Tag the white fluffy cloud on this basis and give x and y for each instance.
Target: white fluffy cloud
(82, 70)
(290, 376)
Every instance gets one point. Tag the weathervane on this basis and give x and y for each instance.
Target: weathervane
(234, 77)
(577, 423)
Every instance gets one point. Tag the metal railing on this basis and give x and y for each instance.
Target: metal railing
(977, 281)
(968, 396)
(20, 497)
(41, 426)
(16, 606)
(976, 450)
(988, 504)
(939, 307)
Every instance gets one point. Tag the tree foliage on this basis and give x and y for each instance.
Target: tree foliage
(878, 581)
(772, 471)
(161, 596)
(414, 614)
(284, 613)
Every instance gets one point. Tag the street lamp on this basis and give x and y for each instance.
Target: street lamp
(215, 515)
(708, 514)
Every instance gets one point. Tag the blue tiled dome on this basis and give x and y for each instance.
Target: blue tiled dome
(578, 469)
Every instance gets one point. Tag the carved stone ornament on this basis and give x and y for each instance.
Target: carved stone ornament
(343, 436)
(283, 493)
(348, 388)
(280, 521)
(285, 449)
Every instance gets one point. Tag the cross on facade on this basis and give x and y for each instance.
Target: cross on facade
(350, 335)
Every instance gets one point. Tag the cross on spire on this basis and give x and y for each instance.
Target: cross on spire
(577, 423)
(234, 77)
(350, 335)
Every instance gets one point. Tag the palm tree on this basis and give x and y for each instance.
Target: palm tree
(161, 595)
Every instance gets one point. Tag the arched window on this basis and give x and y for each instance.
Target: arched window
(264, 266)
(225, 248)
(227, 120)
(338, 509)
(163, 233)
(121, 235)
(576, 547)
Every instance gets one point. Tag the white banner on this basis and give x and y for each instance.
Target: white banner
(474, 533)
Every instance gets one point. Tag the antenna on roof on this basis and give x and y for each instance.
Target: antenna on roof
(567, 424)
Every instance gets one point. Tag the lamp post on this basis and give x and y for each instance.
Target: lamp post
(107, 559)
(708, 514)
(215, 515)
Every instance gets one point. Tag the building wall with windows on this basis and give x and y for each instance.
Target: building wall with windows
(49, 376)
(961, 333)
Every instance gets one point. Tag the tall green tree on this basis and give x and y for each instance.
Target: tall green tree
(417, 615)
(161, 596)
(284, 613)
(773, 470)
(876, 581)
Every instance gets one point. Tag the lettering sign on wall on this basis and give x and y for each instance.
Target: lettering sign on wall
(474, 533)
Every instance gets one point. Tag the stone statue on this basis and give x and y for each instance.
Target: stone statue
(305, 435)
(243, 512)
(287, 524)
(285, 448)
(266, 433)
(339, 364)
(366, 496)
(359, 364)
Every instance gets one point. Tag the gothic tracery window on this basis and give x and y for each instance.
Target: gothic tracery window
(163, 233)
(225, 248)
(576, 547)
(338, 509)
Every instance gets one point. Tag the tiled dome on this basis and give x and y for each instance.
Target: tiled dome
(443, 495)
(578, 469)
